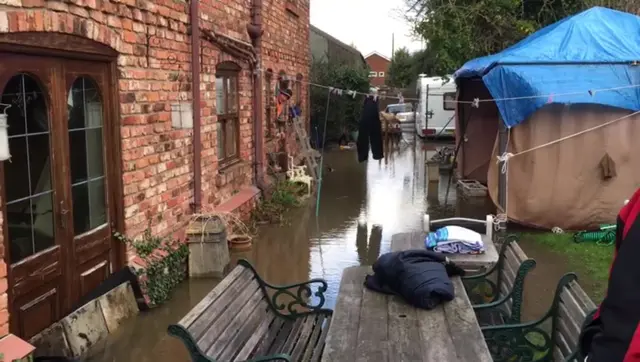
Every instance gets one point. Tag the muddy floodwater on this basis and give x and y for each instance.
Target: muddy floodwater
(361, 207)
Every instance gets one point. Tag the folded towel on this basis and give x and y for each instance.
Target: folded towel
(458, 247)
(455, 239)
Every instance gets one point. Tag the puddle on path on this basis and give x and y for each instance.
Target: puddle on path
(390, 196)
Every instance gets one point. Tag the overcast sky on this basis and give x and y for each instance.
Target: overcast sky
(368, 24)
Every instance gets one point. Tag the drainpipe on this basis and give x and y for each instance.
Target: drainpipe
(255, 33)
(195, 88)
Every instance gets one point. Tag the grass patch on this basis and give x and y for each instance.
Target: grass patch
(588, 259)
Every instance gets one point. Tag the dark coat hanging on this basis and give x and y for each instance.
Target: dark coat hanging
(370, 132)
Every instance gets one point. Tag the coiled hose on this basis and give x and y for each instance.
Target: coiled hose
(606, 235)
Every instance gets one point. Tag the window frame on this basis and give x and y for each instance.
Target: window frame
(449, 98)
(380, 74)
(373, 74)
(228, 71)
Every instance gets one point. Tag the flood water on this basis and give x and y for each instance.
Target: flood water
(361, 207)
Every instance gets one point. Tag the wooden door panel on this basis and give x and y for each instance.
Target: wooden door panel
(92, 273)
(36, 271)
(86, 83)
(38, 309)
(33, 229)
(91, 245)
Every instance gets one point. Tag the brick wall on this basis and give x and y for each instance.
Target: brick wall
(285, 47)
(157, 160)
(378, 64)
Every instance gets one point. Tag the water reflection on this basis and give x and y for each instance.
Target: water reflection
(362, 206)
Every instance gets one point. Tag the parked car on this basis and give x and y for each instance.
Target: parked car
(404, 112)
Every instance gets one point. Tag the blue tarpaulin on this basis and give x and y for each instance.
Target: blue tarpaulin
(561, 63)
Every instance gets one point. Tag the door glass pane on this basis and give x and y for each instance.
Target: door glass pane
(86, 155)
(27, 177)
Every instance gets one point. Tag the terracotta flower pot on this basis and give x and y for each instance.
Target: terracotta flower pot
(240, 242)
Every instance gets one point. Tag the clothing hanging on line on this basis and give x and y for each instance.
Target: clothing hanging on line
(370, 131)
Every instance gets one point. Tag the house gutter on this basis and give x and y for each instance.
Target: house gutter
(195, 88)
(255, 33)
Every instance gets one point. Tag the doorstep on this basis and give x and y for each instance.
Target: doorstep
(14, 349)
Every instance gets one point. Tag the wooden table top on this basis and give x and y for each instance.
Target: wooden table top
(415, 240)
(369, 326)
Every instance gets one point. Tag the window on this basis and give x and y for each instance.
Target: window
(373, 74)
(227, 111)
(449, 101)
(268, 105)
(381, 74)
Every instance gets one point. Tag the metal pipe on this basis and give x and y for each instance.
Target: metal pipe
(195, 88)
(258, 131)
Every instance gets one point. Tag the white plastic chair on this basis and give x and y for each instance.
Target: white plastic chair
(298, 174)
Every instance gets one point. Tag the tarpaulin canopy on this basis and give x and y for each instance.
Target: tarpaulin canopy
(563, 63)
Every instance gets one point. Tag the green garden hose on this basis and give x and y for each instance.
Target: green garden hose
(606, 235)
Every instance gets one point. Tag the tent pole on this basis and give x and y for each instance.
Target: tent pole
(502, 177)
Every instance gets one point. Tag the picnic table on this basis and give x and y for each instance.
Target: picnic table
(369, 326)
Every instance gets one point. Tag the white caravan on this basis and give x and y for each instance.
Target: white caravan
(435, 113)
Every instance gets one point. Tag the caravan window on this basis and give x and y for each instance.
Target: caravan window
(449, 101)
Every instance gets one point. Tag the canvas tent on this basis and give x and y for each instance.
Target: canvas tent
(545, 88)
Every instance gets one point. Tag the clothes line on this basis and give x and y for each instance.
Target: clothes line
(474, 103)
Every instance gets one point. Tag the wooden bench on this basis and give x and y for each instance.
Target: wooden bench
(496, 295)
(245, 318)
(554, 337)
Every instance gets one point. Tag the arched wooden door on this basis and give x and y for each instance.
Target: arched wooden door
(58, 213)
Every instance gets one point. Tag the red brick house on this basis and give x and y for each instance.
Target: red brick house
(378, 65)
(106, 133)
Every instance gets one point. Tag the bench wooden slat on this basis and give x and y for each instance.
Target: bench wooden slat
(210, 298)
(237, 321)
(584, 301)
(240, 317)
(281, 338)
(270, 337)
(572, 310)
(257, 336)
(521, 256)
(313, 339)
(307, 328)
(214, 331)
(217, 306)
(564, 346)
(575, 313)
(292, 338)
(557, 354)
(571, 328)
(319, 350)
